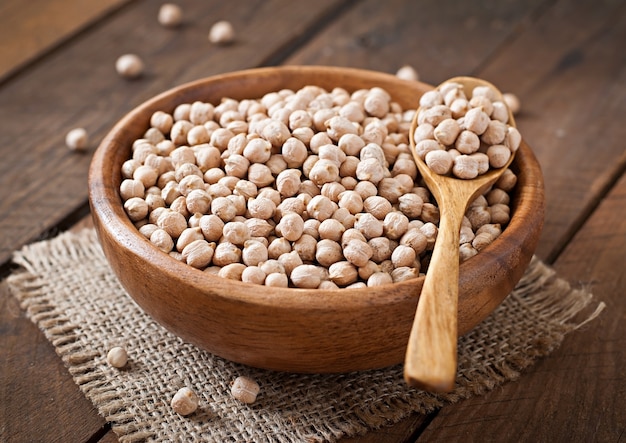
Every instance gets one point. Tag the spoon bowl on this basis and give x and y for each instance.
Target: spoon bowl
(431, 356)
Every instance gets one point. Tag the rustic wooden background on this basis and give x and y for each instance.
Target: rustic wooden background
(565, 59)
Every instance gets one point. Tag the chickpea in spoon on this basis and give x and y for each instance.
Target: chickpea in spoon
(463, 138)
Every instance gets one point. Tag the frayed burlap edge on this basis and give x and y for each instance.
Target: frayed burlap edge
(553, 309)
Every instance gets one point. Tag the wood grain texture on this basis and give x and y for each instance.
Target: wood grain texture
(29, 29)
(569, 74)
(39, 399)
(576, 394)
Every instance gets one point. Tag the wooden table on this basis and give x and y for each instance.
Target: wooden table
(565, 59)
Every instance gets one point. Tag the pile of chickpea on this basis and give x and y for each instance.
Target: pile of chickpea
(307, 189)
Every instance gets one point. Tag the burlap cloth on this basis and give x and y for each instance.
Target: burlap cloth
(67, 288)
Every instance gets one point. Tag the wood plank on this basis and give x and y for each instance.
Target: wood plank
(577, 393)
(40, 180)
(439, 39)
(33, 27)
(39, 397)
(109, 437)
(568, 70)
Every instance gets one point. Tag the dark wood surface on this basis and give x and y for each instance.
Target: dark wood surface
(564, 59)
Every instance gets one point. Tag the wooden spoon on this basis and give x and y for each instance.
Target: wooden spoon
(431, 356)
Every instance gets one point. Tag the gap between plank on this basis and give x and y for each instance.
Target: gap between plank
(288, 49)
(604, 188)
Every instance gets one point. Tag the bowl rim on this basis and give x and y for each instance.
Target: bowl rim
(106, 205)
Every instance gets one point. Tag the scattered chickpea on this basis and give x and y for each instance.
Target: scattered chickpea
(117, 357)
(407, 72)
(77, 139)
(129, 66)
(185, 401)
(198, 253)
(512, 101)
(170, 15)
(245, 389)
(253, 274)
(222, 33)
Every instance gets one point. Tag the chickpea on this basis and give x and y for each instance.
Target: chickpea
(245, 389)
(377, 206)
(328, 252)
(332, 191)
(321, 208)
(440, 161)
(170, 15)
(306, 276)
(288, 182)
(404, 273)
(277, 280)
(370, 170)
(395, 225)
(187, 236)
(129, 66)
(253, 274)
(381, 249)
(222, 33)
(289, 261)
(232, 271)
(357, 252)
(498, 155)
(331, 229)
(407, 72)
(311, 227)
(260, 175)
(257, 190)
(447, 131)
(290, 226)
(162, 240)
(343, 273)
(236, 233)
(261, 207)
(369, 225)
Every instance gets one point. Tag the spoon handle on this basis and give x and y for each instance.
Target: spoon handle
(431, 356)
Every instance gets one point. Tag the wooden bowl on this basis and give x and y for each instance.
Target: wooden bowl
(297, 330)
